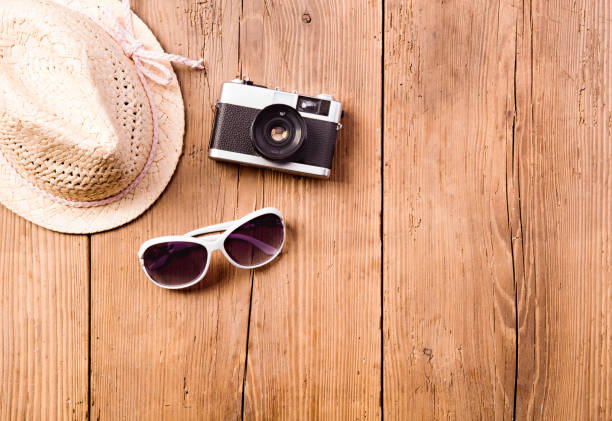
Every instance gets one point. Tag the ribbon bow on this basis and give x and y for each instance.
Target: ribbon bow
(146, 61)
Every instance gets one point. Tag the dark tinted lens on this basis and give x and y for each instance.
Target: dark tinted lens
(175, 263)
(256, 241)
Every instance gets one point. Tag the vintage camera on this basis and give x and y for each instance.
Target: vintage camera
(270, 128)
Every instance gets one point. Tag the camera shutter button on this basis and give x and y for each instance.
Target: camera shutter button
(326, 97)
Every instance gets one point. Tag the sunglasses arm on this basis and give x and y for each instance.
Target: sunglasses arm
(266, 248)
(208, 230)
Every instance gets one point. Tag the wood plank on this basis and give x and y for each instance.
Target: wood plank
(44, 301)
(449, 296)
(314, 343)
(158, 354)
(564, 152)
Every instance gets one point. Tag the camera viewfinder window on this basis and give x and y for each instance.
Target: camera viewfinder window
(313, 105)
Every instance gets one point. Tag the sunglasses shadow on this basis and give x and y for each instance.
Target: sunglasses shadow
(219, 270)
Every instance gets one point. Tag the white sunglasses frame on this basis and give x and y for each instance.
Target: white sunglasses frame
(212, 243)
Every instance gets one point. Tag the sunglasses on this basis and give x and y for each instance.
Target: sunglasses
(181, 261)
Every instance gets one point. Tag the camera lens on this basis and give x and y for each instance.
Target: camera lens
(278, 132)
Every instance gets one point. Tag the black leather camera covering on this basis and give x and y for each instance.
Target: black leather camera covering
(232, 132)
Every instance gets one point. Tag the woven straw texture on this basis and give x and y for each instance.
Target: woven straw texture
(75, 120)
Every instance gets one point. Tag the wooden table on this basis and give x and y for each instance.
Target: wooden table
(457, 265)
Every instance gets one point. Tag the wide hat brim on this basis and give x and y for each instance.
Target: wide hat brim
(35, 207)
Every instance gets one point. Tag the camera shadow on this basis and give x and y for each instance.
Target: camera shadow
(345, 150)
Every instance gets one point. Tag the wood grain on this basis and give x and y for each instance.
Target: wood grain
(448, 307)
(314, 343)
(158, 354)
(564, 151)
(457, 265)
(44, 290)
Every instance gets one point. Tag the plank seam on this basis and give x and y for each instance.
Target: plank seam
(89, 414)
(240, 38)
(246, 353)
(516, 335)
(382, 200)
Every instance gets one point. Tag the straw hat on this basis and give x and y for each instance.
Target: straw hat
(91, 114)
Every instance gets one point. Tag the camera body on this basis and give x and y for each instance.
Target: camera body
(270, 128)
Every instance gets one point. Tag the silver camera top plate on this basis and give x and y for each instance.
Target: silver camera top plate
(239, 92)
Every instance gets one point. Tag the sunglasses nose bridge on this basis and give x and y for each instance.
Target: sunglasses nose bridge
(213, 243)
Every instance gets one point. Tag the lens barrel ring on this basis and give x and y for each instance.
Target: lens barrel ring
(278, 115)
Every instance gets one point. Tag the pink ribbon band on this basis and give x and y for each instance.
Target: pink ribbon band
(148, 67)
